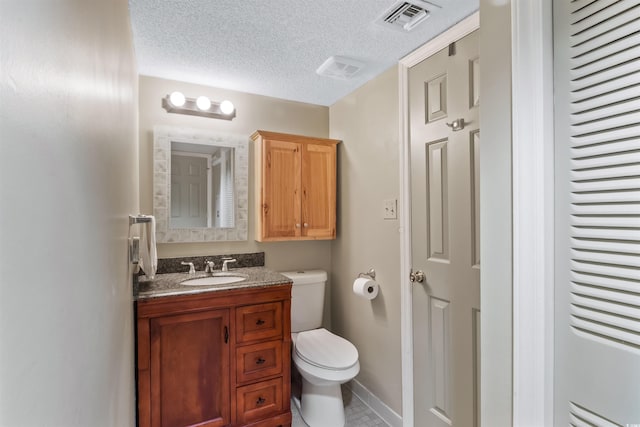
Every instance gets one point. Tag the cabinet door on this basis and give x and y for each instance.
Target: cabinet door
(281, 192)
(319, 191)
(190, 370)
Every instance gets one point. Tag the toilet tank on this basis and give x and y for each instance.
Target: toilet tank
(307, 298)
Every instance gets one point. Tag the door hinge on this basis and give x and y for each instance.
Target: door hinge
(452, 49)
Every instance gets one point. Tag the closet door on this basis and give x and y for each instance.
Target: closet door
(597, 323)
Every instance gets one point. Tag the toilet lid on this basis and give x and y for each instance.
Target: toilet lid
(321, 348)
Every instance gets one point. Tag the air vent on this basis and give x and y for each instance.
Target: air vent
(340, 67)
(406, 15)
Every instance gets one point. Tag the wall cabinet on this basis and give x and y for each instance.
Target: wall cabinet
(215, 359)
(295, 187)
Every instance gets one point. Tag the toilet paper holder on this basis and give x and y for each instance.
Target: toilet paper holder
(371, 274)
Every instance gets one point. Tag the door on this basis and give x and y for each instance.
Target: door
(188, 192)
(597, 207)
(189, 363)
(318, 190)
(445, 235)
(281, 192)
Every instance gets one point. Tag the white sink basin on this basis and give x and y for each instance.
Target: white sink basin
(216, 279)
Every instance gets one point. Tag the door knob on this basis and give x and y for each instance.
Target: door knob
(418, 276)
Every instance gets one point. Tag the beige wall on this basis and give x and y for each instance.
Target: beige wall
(68, 181)
(368, 172)
(253, 112)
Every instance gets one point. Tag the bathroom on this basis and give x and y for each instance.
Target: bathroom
(82, 118)
(341, 259)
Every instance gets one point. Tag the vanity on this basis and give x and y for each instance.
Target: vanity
(214, 355)
(214, 351)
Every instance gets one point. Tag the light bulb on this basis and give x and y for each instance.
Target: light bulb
(177, 99)
(203, 103)
(226, 107)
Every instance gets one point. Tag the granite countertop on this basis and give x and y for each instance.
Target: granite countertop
(169, 284)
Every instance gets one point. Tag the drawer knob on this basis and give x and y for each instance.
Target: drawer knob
(260, 361)
(260, 400)
(259, 322)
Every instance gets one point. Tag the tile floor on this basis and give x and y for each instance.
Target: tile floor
(358, 414)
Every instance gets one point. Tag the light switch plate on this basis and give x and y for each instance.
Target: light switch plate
(390, 209)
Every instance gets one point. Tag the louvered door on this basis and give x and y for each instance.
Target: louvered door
(597, 323)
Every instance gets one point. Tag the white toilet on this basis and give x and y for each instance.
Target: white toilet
(323, 359)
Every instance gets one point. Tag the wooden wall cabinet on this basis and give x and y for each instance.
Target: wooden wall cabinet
(215, 359)
(295, 187)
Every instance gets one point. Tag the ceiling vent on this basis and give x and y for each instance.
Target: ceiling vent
(340, 67)
(406, 15)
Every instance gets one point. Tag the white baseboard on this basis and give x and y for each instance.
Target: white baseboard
(387, 414)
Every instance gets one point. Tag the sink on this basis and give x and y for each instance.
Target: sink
(216, 279)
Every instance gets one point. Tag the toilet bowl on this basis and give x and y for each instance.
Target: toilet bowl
(323, 359)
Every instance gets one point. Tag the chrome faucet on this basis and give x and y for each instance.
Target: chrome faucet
(225, 262)
(192, 269)
(209, 266)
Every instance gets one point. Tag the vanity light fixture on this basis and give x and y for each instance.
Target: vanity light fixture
(177, 99)
(226, 107)
(203, 103)
(201, 106)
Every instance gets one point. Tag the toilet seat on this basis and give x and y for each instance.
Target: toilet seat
(321, 348)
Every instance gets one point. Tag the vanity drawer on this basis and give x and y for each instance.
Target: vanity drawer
(257, 361)
(259, 400)
(259, 322)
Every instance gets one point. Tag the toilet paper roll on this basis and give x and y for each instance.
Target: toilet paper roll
(365, 288)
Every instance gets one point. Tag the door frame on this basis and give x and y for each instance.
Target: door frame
(458, 31)
(531, 372)
(532, 211)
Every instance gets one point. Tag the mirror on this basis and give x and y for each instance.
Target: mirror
(200, 185)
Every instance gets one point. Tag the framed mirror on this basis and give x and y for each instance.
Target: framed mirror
(200, 185)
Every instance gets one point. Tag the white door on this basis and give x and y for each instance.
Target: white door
(445, 235)
(188, 191)
(597, 314)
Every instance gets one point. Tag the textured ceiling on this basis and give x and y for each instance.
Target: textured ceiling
(273, 47)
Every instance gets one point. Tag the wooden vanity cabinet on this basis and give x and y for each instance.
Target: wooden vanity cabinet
(215, 359)
(295, 187)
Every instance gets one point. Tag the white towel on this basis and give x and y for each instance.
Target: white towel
(148, 253)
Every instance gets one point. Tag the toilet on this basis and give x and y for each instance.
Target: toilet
(324, 360)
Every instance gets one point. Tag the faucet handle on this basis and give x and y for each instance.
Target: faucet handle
(225, 263)
(209, 266)
(192, 269)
